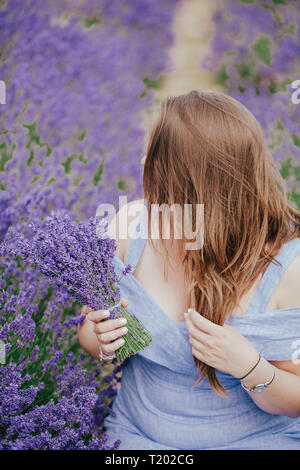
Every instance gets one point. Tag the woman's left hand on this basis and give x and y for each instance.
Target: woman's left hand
(221, 347)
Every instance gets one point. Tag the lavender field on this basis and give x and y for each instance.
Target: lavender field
(79, 78)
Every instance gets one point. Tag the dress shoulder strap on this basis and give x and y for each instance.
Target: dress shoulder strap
(273, 275)
(138, 240)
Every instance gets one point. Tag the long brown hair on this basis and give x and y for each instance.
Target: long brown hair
(207, 148)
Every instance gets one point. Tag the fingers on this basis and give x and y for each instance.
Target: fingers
(112, 347)
(108, 332)
(196, 333)
(196, 353)
(203, 323)
(85, 310)
(198, 340)
(98, 315)
(197, 346)
(110, 325)
(110, 335)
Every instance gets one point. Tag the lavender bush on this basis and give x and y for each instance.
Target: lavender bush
(71, 79)
(73, 70)
(48, 388)
(255, 56)
(79, 260)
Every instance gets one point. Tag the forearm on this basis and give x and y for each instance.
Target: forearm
(88, 339)
(282, 396)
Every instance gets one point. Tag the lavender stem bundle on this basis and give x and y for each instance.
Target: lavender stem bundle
(78, 258)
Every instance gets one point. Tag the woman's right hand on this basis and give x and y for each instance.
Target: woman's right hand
(108, 331)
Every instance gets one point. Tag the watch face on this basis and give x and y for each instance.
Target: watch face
(258, 388)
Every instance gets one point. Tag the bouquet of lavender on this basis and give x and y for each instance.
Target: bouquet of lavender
(78, 258)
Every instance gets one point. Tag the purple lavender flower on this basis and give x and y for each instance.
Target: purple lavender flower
(127, 270)
(255, 56)
(76, 261)
(101, 58)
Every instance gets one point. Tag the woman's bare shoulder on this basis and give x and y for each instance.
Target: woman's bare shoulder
(288, 291)
(122, 224)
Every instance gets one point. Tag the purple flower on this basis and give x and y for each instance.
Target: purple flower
(72, 70)
(256, 63)
(127, 270)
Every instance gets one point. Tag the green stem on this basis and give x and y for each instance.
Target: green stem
(137, 338)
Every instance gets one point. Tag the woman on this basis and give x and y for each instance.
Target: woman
(225, 374)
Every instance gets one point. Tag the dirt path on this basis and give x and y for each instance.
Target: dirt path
(193, 30)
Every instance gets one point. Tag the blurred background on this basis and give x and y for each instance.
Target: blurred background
(80, 81)
(84, 76)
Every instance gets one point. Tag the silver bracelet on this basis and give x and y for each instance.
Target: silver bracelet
(102, 357)
(260, 387)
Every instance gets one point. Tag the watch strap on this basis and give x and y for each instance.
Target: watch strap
(260, 387)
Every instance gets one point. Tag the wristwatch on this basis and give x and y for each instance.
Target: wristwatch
(260, 387)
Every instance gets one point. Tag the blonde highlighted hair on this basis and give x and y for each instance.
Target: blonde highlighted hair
(207, 148)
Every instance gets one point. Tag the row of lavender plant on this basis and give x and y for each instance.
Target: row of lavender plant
(78, 76)
(255, 55)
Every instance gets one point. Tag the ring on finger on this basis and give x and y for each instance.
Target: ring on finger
(102, 357)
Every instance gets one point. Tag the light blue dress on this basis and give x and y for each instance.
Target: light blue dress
(156, 406)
